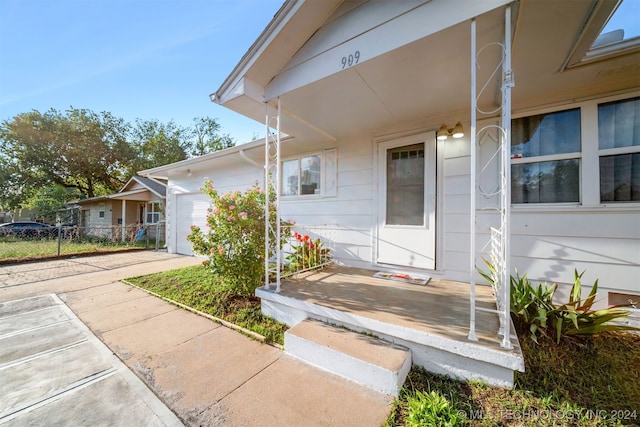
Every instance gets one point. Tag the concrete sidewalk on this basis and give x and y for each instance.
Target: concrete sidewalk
(205, 373)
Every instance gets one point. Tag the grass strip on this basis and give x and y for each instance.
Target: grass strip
(590, 381)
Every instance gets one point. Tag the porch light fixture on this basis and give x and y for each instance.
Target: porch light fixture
(189, 173)
(444, 132)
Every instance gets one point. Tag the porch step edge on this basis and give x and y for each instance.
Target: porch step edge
(364, 359)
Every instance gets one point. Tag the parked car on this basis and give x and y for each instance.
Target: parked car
(27, 229)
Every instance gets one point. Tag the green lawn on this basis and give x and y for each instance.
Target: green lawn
(12, 249)
(581, 382)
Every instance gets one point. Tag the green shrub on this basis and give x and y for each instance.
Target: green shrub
(431, 409)
(533, 308)
(235, 243)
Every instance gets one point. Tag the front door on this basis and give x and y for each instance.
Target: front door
(407, 201)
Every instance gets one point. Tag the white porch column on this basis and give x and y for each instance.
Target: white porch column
(123, 227)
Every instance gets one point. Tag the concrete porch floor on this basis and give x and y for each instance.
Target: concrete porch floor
(434, 316)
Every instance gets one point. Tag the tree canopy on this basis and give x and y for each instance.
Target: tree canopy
(90, 154)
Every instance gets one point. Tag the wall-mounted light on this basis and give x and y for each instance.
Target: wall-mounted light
(189, 173)
(444, 132)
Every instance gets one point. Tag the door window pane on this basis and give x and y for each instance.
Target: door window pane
(546, 182)
(620, 178)
(405, 185)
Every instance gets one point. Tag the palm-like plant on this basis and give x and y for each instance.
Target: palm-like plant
(534, 308)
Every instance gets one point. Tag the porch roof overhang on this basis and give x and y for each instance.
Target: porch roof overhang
(203, 163)
(413, 63)
(140, 195)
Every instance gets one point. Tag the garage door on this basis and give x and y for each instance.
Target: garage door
(191, 209)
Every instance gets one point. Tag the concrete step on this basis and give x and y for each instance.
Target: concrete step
(361, 358)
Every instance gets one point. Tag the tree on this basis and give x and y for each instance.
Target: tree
(47, 201)
(206, 137)
(76, 148)
(158, 144)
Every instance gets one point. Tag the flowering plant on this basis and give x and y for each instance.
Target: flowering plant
(307, 253)
(235, 244)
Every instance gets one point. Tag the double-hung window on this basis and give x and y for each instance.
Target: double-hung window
(302, 176)
(545, 158)
(153, 213)
(619, 150)
(598, 142)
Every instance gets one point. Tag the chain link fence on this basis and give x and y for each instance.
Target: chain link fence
(51, 241)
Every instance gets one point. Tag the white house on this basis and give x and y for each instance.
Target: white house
(414, 128)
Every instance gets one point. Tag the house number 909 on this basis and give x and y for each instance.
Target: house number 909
(351, 59)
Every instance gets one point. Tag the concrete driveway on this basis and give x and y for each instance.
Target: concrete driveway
(56, 372)
(205, 373)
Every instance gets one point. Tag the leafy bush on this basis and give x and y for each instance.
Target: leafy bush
(235, 243)
(431, 409)
(534, 309)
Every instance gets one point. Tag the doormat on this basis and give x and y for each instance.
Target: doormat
(403, 277)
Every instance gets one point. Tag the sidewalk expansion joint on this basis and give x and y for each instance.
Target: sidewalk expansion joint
(43, 354)
(76, 386)
(35, 328)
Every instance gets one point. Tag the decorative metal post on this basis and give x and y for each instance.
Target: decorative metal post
(272, 181)
(499, 243)
(474, 182)
(507, 84)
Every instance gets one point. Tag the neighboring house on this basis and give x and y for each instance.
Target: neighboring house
(24, 214)
(140, 202)
(368, 91)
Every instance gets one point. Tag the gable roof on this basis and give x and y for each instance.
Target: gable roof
(134, 189)
(156, 187)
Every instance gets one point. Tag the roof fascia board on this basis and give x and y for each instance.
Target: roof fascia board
(246, 87)
(288, 9)
(420, 22)
(163, 171)
(597, 19)
(127, 184)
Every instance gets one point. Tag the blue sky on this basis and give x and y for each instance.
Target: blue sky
(147, 59)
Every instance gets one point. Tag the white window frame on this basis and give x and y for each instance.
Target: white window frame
(328, 174)
(633, 149)
(553, 157)
(155, 213)
(589, 157)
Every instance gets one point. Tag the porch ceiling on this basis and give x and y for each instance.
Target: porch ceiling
(428, 80)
